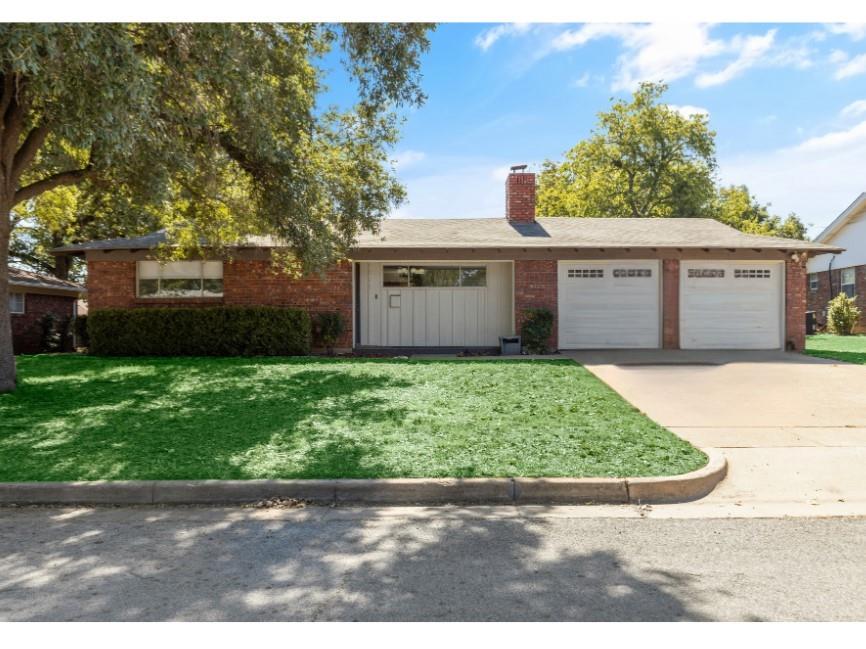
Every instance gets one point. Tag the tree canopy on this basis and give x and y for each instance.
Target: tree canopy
(211, 131)
(645, 159)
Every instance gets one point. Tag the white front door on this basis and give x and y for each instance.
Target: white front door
(731, 304)
(609, 304)
(435, 304)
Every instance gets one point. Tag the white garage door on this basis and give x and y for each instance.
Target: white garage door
(609, 304)
(730, 305)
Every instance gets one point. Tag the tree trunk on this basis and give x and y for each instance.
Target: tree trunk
(61, 266)
(7, 359)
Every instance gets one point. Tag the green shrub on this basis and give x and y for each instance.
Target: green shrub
(52, 331)
(536, 330)
(842, 315)
(79, 328)
(215, 331)
(327, 329)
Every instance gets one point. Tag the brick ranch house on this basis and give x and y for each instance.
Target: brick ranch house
(831, 274)
(32, 296)
(463, 283)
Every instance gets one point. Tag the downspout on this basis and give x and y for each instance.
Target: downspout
(830, 275)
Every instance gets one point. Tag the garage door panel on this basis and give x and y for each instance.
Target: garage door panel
(604, 305)
(739, 310)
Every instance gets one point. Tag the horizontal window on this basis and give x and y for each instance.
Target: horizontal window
(16, 303)
(585, 273)
(180, 279)
(813, 281)
(434, 276)
(751, 273)
(848, 282)
(632, 272)
(704, 273)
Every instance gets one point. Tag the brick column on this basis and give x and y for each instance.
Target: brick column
(795, 304)
(671, 303)
(535, 286)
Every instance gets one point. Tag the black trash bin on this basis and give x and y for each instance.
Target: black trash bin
(810, 323)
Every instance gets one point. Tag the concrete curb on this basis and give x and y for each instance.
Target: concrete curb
(401, 491)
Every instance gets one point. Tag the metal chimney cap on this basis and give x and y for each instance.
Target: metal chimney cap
(518, 168)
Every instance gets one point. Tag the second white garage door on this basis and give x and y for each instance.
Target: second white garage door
(609, 304)
(731, 305)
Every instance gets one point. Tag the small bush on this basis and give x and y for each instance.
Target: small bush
(217, 331)
(842, 315)
(54, 332)
(79, 328)
(536, 330)
(327, 329)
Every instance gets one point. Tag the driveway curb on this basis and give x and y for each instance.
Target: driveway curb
(400, 491)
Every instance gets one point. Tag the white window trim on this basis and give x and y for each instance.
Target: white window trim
(23, 304)
(165, 296)
(813, 281)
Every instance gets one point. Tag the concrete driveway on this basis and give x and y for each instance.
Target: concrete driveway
(793, 427)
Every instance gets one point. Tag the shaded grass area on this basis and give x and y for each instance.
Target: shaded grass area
(87, 418)
(851, 349)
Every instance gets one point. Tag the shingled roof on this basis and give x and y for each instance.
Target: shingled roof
(28, 279)
(551, 232)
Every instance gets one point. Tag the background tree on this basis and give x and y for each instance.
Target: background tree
(735, 206)
(213, 129)
(643, 159)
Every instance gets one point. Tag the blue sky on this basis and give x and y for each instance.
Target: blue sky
(788, 103)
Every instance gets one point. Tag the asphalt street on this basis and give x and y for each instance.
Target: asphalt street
(506, 563)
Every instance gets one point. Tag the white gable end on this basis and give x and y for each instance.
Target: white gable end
(852, 237)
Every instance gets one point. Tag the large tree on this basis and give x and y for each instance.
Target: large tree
(214, 130)
(643, 159)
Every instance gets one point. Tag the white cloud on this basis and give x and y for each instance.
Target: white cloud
(833, 141)
(581, 82)
(855, 31)
(652, 52)
(815, 178)
(486, 39)
(751, 50)
(688, 110)
(851, 67)
(837, 56)
(854, 108)
(407, 158)
(669, 51)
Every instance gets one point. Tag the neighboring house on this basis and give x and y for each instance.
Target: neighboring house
(462, 283)
(32, 296)
(843, 272)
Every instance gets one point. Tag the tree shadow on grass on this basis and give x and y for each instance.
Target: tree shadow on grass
(173, 418)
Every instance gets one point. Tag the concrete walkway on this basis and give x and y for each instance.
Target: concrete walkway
(793, 427)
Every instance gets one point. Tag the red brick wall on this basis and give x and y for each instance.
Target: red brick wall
(535, 286)
(111, 284)
(817, 300)
(671, 303)
(795, 305)
(26, 330)
(520, 197)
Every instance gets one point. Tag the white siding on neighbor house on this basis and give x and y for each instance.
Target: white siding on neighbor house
(731, 312)
(852, 237)
(601, 307)
(397, 316)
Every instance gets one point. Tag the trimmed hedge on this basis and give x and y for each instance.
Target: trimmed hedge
(212, 331)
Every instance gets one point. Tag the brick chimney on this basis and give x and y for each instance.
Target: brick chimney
(520, 195)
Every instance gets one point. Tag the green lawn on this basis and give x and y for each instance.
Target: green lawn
(86, 418)
(842, 348)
